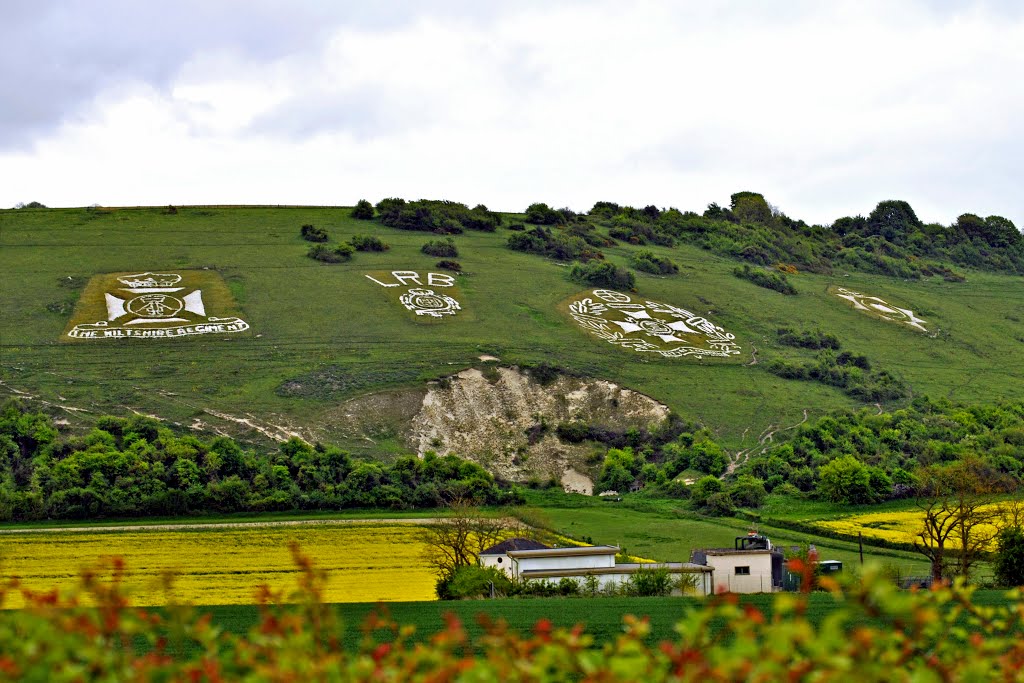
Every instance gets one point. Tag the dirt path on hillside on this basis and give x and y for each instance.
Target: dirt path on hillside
(764, 441)
(413, 521)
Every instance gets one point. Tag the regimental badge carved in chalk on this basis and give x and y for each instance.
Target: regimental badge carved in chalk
(154, 305)
(649, 326)
(426, 302)
(880, 308)
(420, 292)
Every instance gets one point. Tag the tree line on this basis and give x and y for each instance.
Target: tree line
(136, 466)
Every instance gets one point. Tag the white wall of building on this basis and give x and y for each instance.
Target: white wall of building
(557, 563)
(758, 580)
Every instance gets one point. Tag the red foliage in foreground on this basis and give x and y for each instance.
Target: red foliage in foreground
(876, 633)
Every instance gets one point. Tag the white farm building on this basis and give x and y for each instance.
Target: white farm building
(524, 560)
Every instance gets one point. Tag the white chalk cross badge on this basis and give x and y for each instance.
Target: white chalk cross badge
(650, 326)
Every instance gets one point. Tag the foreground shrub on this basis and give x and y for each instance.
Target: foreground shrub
(874, 632)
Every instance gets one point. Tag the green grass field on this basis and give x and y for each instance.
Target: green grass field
(602, 618)
(659, 530)
(311, 321)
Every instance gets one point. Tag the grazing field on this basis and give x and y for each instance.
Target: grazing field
(323, 333)
(365, 563)
(658, 530)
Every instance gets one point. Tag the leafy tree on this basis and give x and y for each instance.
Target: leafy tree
(1008, 563)
(892, 219)
(747, 491)
(750, 207)
(363, 210)
(845, 480)
(542, 214)
(954, 499)
(456, 540)
(708, 456)
(704, 488)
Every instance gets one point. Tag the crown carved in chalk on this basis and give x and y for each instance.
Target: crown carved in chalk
(143, 280)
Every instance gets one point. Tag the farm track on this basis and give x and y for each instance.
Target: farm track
(412, 521)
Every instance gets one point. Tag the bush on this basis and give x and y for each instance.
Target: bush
(748, 491)
(312, 233)
(720, 505)
(649, 583)
(812, 339)
(705, 488)
(363, 210)
(444, 247)
(1009, 560)
(766, 279)
(322, 252)
(475, 582)
(453, 266)
(650, 263)
(601, 274)
(369, 243)
(872, 632)
(542, 214)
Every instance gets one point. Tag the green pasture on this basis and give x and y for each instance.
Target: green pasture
(662, 530)
(323, 333)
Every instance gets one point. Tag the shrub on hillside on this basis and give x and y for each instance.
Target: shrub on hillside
(311, 233)
(650, 263)
(808, 339)
(447, 264)
(363, 210)
(444, 247)
(322, 252)
(441, 217)
(554, 243)
(766, 279)
(542, 214)
(602, 274)
(369, 243)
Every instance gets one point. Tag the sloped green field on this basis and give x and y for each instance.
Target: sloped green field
(322, 333)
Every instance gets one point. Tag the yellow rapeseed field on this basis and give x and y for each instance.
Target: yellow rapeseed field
(900, 527)
(365, 563)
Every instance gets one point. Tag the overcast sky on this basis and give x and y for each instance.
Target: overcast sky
(826, 107)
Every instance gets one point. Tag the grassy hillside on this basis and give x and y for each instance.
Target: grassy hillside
(335, 334)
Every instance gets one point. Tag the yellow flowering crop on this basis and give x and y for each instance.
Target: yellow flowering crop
(365, 563)
(900, 527)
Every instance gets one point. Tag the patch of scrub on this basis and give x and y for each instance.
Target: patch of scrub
(649, 326)
(508, 424)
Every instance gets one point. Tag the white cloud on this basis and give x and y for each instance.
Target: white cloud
(826, 108)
